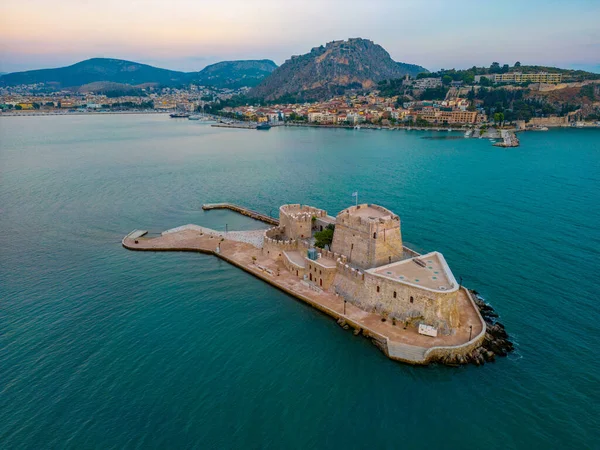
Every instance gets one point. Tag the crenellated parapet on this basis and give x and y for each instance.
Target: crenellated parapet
(345, 269)
(367, 218)
(332, 255)
(275, 242)
(296, 220)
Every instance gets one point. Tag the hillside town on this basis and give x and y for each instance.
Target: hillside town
(41, 98)
(525, 100)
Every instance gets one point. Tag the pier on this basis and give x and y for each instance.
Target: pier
(242, 125)
(509, 139)
(244, 211)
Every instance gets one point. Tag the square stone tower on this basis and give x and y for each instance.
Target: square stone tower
(369, 235)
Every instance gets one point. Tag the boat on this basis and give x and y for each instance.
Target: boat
(194, 118)
(179, 115)
(263, 126)
(357, 127)
(468, 133)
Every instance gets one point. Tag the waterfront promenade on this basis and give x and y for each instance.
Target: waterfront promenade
(398, 343)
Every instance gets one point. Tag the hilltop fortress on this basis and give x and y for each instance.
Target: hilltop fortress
(409, 305)
(367, 264)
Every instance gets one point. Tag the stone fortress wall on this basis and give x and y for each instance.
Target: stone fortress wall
(368, 241)
(292, 266)
(275, 243)
(323, 276)
(296, 220)
(397, 300)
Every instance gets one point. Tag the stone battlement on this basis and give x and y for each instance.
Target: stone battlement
(344, 269)
(368, 218)
(332, 255)
(296, 220)
(301, 212)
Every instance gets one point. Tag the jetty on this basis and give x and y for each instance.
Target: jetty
(321, 278)
(509, 139)
(242, 210)
(242, 125)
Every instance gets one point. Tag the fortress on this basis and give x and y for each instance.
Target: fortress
(367, 264)
(409, 305)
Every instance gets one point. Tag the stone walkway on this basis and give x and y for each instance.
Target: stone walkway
(254, 237)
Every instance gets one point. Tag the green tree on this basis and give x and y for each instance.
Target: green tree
(469, 78)
(18, 107)
(325, 237)
(495, 67)
(446, 80)
(517, 64)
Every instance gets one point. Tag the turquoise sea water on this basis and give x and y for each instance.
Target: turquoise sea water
(105, 348)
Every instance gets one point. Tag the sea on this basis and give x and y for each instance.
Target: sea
(104, 348)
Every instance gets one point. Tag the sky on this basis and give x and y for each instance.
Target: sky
(190, 34)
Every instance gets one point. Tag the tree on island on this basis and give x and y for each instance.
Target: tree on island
(499, 118)
(517, 64)
(325, 237)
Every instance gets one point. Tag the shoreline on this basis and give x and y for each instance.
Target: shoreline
(76, 113)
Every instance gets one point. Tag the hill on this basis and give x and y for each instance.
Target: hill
(332, 69)
(232, 74)
(235, 74)
(96, 69)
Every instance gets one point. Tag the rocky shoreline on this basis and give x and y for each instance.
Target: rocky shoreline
(495, 343)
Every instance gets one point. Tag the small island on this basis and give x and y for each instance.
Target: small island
(355, 268)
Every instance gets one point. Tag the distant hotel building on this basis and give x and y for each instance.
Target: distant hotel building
(439, 117)
(519, 77)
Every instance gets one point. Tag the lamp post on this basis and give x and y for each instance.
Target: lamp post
(470, 331)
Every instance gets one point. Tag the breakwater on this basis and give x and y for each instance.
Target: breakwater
(242, 210)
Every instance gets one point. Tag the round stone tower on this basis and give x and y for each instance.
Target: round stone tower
(296, 220)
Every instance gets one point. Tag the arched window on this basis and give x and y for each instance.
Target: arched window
(412, 299)
(395, 295)
(374, 235)
(310, 276)
(377, 288)
(321, 282)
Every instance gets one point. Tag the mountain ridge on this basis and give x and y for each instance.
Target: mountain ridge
(111, 70)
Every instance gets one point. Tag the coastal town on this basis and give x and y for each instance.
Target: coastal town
(420, 103)
(40, 98)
